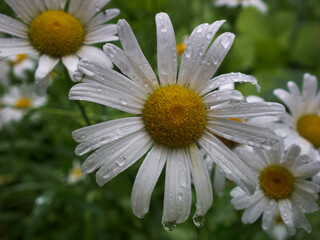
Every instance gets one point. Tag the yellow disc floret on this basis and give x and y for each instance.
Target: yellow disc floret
(175, 116)
(56, 33)
(309, 127)
(23, 103)
(181, 47)
(276, 182)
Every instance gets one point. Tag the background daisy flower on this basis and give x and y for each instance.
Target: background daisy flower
(75, 174)
(259, 4)
(283, 186)
(20, 64)
(16, 103)
(302, 125)
(52, 32)
(175, 115)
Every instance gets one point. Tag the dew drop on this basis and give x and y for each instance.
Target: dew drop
(199, 30)
(188, 52)
(123, 101)
(179, 196)
(169, 226)
(198, 220)
(225, 42)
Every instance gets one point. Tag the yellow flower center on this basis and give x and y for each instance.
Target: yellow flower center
(23, 103)
(19, 59)
(276, 182)
(181, 47)
(76, 172)
(56, 33)
(175, 116)
(309, 127)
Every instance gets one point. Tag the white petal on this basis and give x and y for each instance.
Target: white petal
(166, 50)
(95, 136)
(240, 200)
(243, 133)
(212, 60)
(128, 156)
(146, 180)
(123, 62)
(15, 46)
(219, 181)
(201, 181)
(305, 201)
(197, 46)
(228, 78)
(46, 64)
(94, 54)
(307, 170)
(268, 214)
(234, 168)
(84, 10)
(55, 4)
(249, 156)
(292, 154)
(309, 88)
(288, 99)
(218, 97)
(257, 204)
(102, 17)
(286, 213)
(301, 221)
(71, 63)
(24, 9)
(134, 53)
(107, 96)
(13, 27)
(104, 33)
(177, 195)
(245, 109)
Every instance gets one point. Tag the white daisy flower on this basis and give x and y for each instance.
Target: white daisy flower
(20, 64)
(75, 173)
(17, 102)
(52, 32)
(302, 125)
(282, 185)
(175, 115)
(259, 4)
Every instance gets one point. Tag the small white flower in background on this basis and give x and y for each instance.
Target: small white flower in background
(17, 101)
(259, 4)
(278, 230)
(175, 115)
(302, 125)
(181, 46)
(75, 173)
(48, 30)
(282, 185)
(20, 64)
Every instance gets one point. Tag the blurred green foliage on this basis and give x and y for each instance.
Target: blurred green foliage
(37, 203)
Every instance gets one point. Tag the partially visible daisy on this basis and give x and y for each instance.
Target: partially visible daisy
(20, 64)
(302, 125)
(75, 173)
(181, 46)
(52, 32)
(278, 230)
(259, 4)
(16, 103)
(175, 115)
(283, 185)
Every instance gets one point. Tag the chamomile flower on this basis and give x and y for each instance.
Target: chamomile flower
(302, 125)
(20, 64)
(52, 32)
(75, 173)
(259, 4)
(175, 116)
(16, 103)
(282, 185)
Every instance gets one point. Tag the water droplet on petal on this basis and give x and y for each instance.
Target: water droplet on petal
(169, 226)
(198, 220)
(123, 101)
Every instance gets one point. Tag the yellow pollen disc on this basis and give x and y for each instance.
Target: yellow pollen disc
(56, 33)
(76, 172)
(175, 116)
(181, 47)
(309, 127)
(23, 103)
(276, 182)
